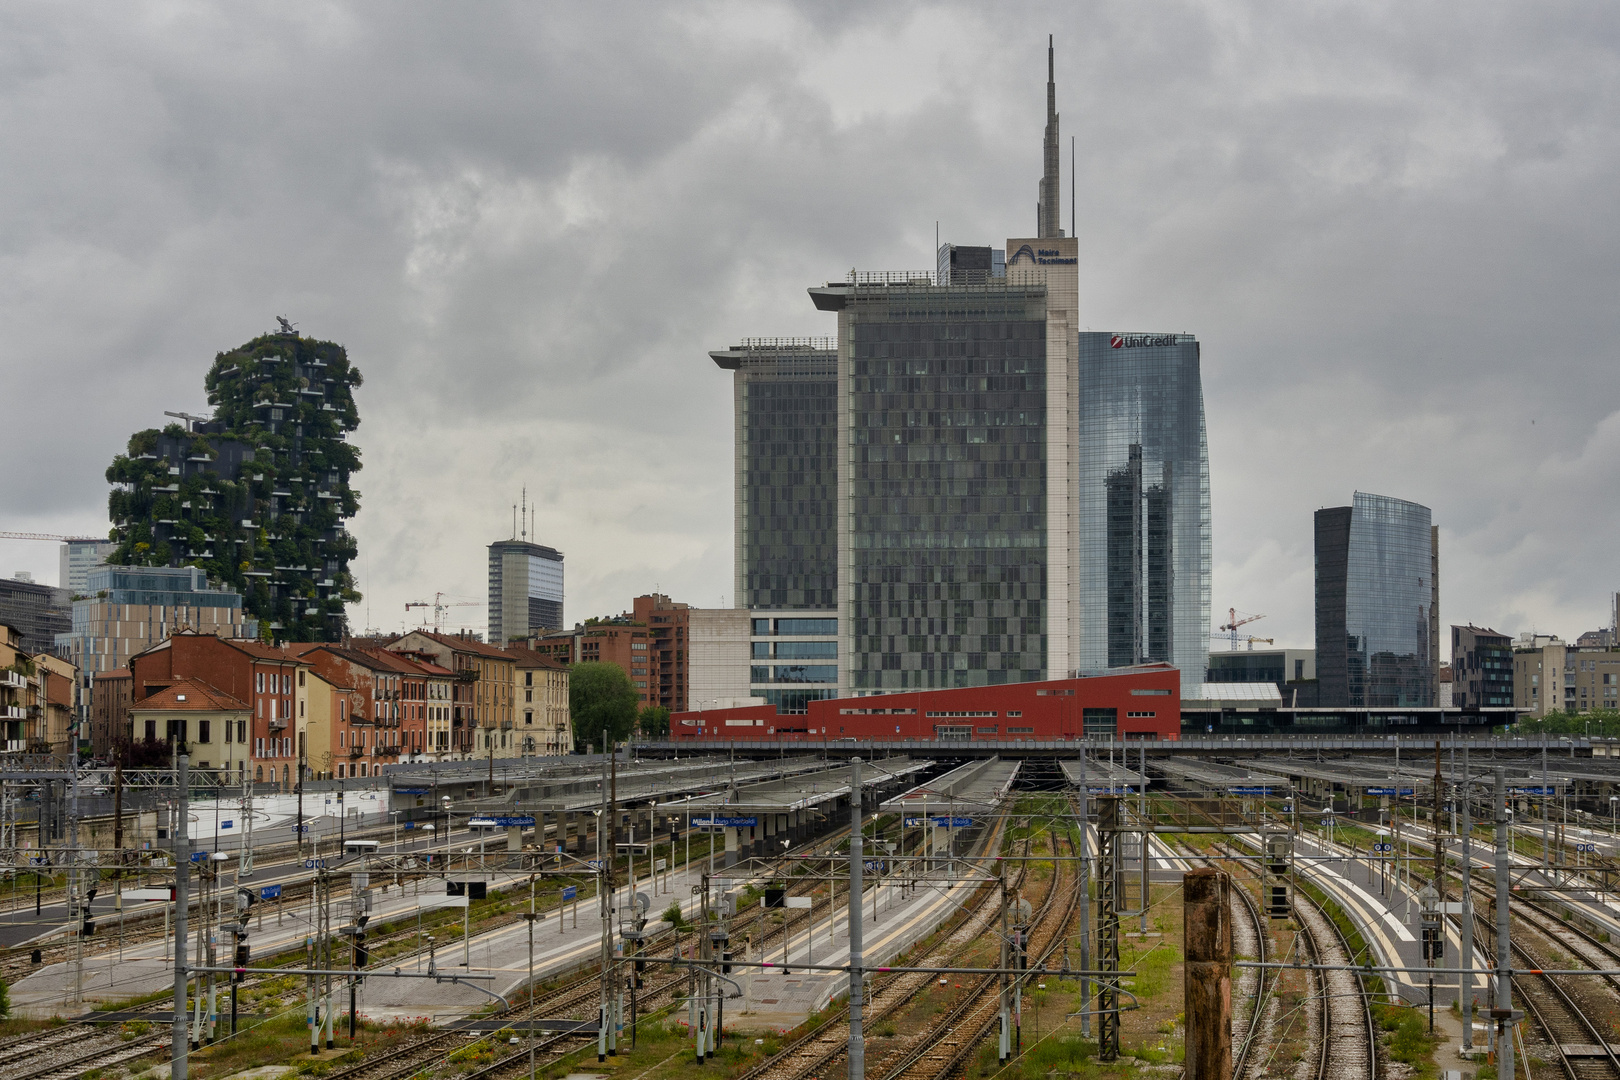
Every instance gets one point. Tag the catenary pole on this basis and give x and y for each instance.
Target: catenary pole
(182, 899)
(1504, 943)
(857, 1044)
(1467, 979)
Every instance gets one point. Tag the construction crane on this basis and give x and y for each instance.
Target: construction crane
(1252, 640)
(1233, 622)
(51, 536)
(440, 606)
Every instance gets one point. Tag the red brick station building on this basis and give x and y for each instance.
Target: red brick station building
(1139, 703)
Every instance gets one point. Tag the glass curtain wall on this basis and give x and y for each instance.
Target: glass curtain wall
(944, 392)
(1143, 517)
(1388, 594)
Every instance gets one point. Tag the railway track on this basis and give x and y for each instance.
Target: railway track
(945, 1047)
(73, 1058)
(816, 1052)
(1346, 1036)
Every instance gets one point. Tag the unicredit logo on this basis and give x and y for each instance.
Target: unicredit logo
(1140, 341)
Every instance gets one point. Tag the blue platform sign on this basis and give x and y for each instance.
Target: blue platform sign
(1391, 791)
(1248, 791)
(226, 824)
(942, 822)
(1383, 847)
(519, 822)
(410, 791)
(1533, 791)
(570, 892)
(727, 822)
(270, 892)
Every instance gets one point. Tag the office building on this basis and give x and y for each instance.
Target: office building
(78, 558)
(1142, 526)
(525, 590)
(942, 523)
(959, 265)
(1481, 667)
(1280, 666)
(786, 475)
(1377, 604)
(128, 609)
(37, 612)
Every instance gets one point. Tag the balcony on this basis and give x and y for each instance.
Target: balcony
(13, 679)
(278, 725)
(12, 712)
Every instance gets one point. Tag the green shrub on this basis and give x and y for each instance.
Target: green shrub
(1410, 1043)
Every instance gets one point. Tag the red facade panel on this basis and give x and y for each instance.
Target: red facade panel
(1143, 703)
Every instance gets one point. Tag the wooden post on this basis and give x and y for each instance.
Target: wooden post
(1208, 947)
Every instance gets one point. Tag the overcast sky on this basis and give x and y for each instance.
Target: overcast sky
(1393, 228)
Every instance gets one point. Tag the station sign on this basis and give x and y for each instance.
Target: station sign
(1533, 791)
(1383, 847)
(270, 892)
(227, 824)
(727, 822)
(1585, 847)
(161, 893)
(517, 822)
(410, 791)
(1117, 789)
(569, 892)
(941, 822)
(1248, 791)
(1391, 791)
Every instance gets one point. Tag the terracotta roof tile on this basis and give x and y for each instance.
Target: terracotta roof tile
(193, 694)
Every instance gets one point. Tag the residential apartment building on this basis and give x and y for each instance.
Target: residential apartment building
(620, 641)
(369, 727)
(34, 697)
(432, 712)
(210, 722)
(482, 711)
(1552, 676)
(668, 628)
(1482, 667)
(544, 726)
(58, 702)
(269, 679)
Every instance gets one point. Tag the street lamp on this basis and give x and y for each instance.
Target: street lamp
(395, 815)
(1613, 799)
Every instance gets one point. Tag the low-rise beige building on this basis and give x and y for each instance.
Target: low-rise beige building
(540, 697)
(210, 722)
(1552, 676)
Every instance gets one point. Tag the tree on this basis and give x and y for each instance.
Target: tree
(602, 703)
(654, 722)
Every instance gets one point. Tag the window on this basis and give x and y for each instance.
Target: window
(205, 731)
(932, 713)
(258, 748)
(151, 731)
(528, 678)
(1141, 715)
(1020, 730)
(258, 682)
(300, 678)
(1099, 723)
(286, 684)
(952, 731)
(991, 730)
(806, 627)
(528, 717)
(762, 626)
(528, 695)
(1150, 693)
(227, 731)
(343, 740)
(1014, 712)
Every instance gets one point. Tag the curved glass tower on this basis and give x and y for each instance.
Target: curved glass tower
(1142, 525)
(1377, 603)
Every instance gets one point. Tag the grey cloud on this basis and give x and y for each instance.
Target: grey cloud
(1392, 229)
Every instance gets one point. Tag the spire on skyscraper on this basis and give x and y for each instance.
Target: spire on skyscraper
(1048, 208)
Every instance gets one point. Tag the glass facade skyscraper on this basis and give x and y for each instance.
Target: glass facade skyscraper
(786, 472)
(1377, 604)
(525, 590)
(942, 485)
(1142, 523)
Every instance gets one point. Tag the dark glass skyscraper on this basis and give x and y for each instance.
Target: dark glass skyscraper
(1377, 604)
(786, 434)
(1142, 529)
(942, 486)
